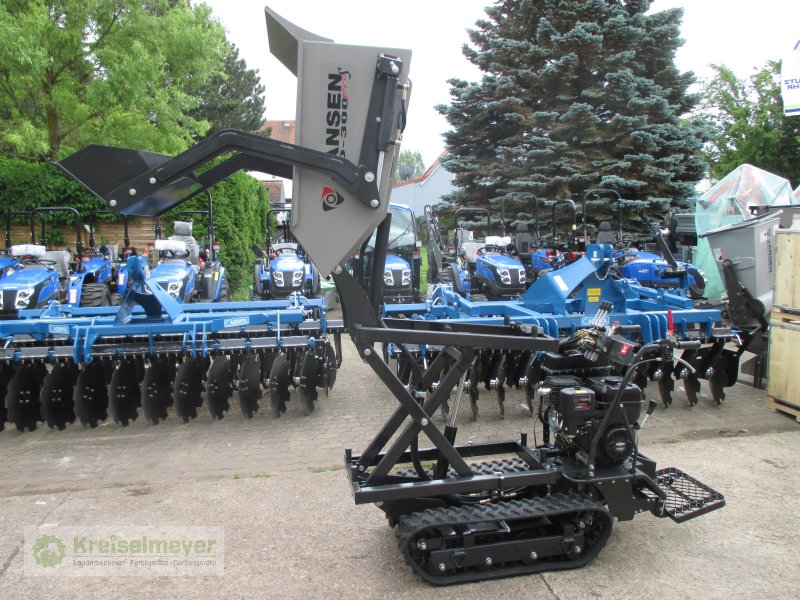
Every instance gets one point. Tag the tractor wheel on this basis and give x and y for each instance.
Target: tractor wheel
(95, 294)
(224, 292)
(258, 287)
(697, 285)
(116, 299)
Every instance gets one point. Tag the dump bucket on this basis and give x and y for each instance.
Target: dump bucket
(750, 246)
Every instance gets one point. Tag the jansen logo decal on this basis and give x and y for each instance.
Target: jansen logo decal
(331, 198)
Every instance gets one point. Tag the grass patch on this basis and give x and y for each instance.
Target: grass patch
(423, 271)
(257, 475)
(673, 441)
(114, 485)
(326, 469)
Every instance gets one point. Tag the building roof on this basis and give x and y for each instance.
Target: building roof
(282, 130)
(422, 178)
(274, 189)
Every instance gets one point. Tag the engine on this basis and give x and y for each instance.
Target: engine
(576, 408)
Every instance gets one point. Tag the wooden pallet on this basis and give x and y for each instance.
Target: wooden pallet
(785, 315)
(786, 408)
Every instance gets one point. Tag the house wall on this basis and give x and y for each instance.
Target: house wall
(428, 191)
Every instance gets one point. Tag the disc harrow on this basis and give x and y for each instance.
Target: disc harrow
(64, 364)
(562, 304)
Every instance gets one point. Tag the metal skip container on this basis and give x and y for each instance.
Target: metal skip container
(750, 247)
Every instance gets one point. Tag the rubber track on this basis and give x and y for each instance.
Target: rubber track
(512, 510)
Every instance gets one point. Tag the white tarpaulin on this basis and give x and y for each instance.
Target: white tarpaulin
(790, 82)
(797, 194)
(727, 202)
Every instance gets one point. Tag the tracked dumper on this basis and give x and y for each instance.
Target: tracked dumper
(461, 512)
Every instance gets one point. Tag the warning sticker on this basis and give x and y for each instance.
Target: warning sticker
(592, 299)
(593, 291)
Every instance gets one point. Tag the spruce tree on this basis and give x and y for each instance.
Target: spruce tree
(576, 94)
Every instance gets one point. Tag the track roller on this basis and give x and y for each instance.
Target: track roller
(310, 373)
(518, 537)
(279, 381)
(22, 397)
(249, 386)
(156, 393)
(219, 387)
(56, 397)
(91, 394)
(124, 397)
(187, 389)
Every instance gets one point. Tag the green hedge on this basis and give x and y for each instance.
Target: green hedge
(240, 205)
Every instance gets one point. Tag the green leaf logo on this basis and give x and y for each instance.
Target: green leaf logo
(48, 550)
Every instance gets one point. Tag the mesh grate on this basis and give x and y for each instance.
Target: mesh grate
(686, 497)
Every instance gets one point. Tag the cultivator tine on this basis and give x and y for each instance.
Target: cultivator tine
(474, 394)
(249, 386)
(310, 374)
(124, 397)
(533, 375)
(219, 386)
(56, 397)
(22, 397)
(279, 380)
(666, 384)
(691, 383)
(91, 394)
(156, 394)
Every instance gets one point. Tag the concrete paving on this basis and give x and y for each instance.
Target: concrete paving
(292, 530)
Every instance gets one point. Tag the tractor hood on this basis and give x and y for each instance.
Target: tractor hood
(287, 263)
(26, 278)
(394, 263)
(500, 261)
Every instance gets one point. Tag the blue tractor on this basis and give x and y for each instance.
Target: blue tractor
(189, 271)
(401, 268)
(42, 275)
(553, 252)
(283, 267)
(487, 263)
(651, 269)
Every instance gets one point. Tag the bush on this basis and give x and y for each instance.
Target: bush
(240, 206)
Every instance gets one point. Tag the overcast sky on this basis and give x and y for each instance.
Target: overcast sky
(742, 34)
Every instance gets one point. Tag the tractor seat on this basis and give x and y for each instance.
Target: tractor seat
(61, 260)
(183, 233)
(604, 233)
(471, 250)
(523, 240)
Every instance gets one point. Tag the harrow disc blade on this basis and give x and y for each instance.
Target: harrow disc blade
(56, 398)
(91, 395)
(187, 390)
(250, 385)
(156, 392)
(123, 393)
(279, 381)
(219, 387)
(266, 366)
(309, 376)
(22, 398)
(6, 373)
(330, 368)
